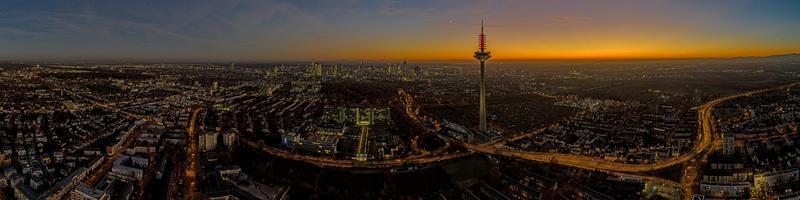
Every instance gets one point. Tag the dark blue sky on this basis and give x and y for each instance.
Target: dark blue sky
(242, 31)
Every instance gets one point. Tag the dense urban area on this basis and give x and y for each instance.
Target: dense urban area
(669, 129)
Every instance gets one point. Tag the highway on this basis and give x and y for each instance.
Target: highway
(693, 159)
(692, 169)
(706, 139)
(504, 140)
(349, 163)
(591, 163)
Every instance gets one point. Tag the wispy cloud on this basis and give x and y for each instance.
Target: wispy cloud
(55, 24)
(391, 8)
(198, 28)
(470, 23)
(567, 19)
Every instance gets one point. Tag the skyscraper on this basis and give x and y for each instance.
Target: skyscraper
(316, 69)
(363, 121)
(482, 55)
(362, 153)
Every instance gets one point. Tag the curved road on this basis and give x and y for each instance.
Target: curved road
(349, 163)
(592, 163)
(584, 162)
(706, 140)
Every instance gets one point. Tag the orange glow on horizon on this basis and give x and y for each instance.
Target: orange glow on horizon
(598, 49)
(607, 54)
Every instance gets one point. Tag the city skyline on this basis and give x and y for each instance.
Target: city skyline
(385, 99)
(265, 31)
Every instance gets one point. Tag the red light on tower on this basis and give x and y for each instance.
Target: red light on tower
(482, 55)
(482, 39)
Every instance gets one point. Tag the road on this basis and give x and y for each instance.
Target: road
(692, 169)
(698, 152)
(349, 163)
(107, 163)
(706, 139)
(695, 158)
(192, 154)
(423, 158)
(108, 160)
(705, 119)
(111, 108)
(503, 141)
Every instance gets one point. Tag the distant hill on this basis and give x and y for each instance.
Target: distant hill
(771, 58)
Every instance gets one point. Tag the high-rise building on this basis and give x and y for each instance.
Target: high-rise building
(214, 87)
(229, 139)
(482, 55)
(208, 141)
(729, 144)
(275, 70)
(316, 69)
(362, 152)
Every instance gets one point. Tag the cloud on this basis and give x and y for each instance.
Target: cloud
(473, 24)
(388, 7)
(391, 8)
(202, 28)
(42, 24)
(568, 19)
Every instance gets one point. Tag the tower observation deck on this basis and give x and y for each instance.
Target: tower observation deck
(482, 55)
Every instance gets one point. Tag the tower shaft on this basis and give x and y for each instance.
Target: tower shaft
(482, 55)
(482, 126)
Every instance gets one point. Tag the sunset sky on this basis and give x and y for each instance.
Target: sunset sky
(262, 31)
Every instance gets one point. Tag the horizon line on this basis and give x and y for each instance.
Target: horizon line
(244, 61)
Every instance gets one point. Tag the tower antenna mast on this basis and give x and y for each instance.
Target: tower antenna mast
(482, 55)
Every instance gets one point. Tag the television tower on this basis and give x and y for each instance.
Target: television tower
(482, 55)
